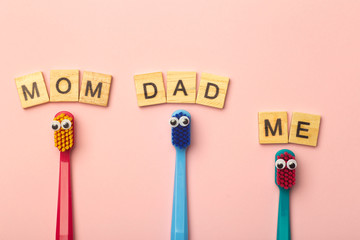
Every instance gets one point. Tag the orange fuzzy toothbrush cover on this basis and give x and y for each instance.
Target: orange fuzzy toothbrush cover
(64, 136)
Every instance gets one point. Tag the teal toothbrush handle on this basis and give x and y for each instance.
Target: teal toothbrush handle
(283, 227)
(179, 222)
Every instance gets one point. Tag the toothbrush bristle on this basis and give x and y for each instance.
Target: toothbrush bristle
(285, 178)
(181, 135)
(64, 138)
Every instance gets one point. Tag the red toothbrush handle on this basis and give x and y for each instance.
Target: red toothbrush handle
(64, 226)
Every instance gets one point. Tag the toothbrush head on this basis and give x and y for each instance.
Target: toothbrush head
(285, 165)
(63, 126)
(180, 123)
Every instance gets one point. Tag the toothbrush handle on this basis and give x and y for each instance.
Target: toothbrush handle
(64, 226)
(179, 223)
(283, 227)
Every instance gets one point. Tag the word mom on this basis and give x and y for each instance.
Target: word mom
(181, 88)
(64, 87)
(273, 128)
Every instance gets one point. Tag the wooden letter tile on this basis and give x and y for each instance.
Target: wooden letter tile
(273, 127)
(181, 87)
(150, 89)
(32, 89)
(95, 88)
(212, 90)
(304, 129)
(64, 85)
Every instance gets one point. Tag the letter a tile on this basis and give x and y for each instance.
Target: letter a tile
(181, 87)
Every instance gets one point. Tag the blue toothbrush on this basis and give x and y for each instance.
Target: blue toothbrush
(285, 165)
(180, 136)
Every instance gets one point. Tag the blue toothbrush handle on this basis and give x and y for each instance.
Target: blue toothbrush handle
(179, 222)
(283, 227)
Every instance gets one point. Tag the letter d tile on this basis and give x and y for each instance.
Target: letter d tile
(212, 90)
(150, 89)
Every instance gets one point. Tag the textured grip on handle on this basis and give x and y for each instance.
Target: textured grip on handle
(179, 223)
(64, 226)
(283, 228)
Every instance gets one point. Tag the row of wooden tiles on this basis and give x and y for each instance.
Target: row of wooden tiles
(181, 88)
(64, 87)
(95, 88)
(304, 128)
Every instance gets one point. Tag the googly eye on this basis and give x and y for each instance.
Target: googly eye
(55, 125)
(291, 164)
(184, 121)
(280, 164)
(66, 124)
(174, 122)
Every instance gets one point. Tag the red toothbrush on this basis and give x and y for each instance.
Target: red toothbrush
(63, 126)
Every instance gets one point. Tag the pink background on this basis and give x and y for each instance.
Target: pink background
(280, 55)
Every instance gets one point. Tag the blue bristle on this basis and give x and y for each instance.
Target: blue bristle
(181, 135)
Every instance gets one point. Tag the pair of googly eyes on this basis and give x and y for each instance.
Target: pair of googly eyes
(183, 121)
(281, 164)
(65, 124)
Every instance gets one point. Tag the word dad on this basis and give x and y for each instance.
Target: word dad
(273, 128)
(64, 87)
(181, 88)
